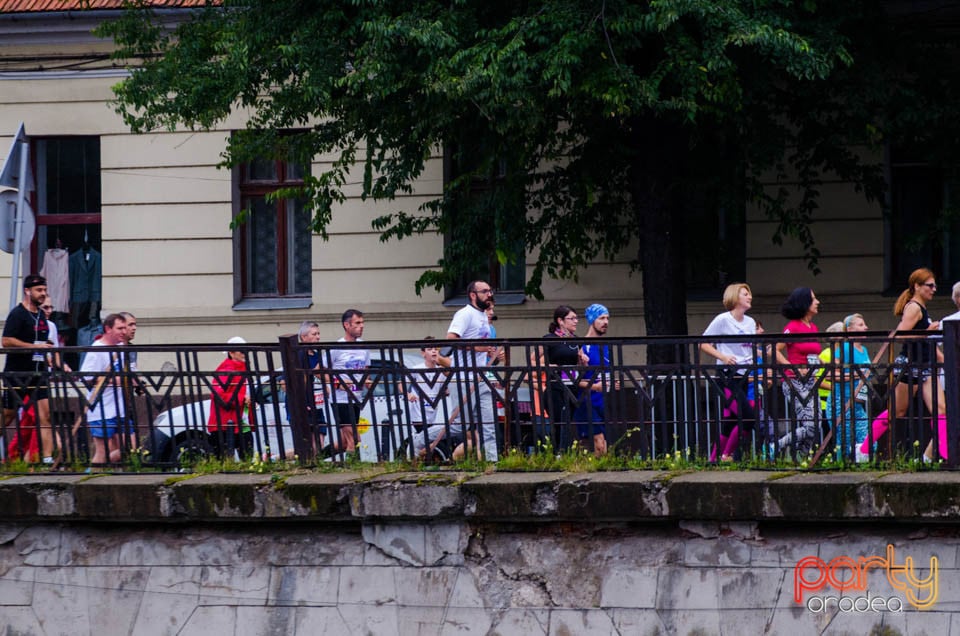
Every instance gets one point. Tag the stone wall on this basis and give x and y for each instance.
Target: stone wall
(617, 553)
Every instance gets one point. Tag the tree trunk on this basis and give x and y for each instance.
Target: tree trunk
(656, 177)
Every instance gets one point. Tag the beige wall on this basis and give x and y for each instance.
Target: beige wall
(848, 230)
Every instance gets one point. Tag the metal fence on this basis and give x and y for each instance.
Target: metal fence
(646, 397)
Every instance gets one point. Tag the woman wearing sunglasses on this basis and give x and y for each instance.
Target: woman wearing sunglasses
(914, 366)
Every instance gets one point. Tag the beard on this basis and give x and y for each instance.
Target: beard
(37, 299)
(483, 304)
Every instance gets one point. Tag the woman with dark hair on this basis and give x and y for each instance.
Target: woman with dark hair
(798, 386)
(914, 366)
(560, 359)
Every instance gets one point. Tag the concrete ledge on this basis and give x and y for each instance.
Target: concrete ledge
(643, 496)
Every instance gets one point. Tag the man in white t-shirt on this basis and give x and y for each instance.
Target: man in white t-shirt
(348, 396)
(477, 400)
(106, 413)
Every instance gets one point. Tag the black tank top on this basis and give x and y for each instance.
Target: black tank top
(919, 350)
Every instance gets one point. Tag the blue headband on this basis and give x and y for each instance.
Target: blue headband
(594, 311)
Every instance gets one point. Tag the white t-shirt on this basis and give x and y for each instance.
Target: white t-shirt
(110, 404)
(726, 325)
(428, 383)
(53, 335)
(470, 324)
(349, 359)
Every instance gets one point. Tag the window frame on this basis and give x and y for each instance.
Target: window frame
(45, 219)
(245, 189)
(918, 192)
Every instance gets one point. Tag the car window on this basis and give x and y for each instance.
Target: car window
(387, 377)
(264, 393)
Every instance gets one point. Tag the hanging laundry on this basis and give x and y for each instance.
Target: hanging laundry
(56, 269)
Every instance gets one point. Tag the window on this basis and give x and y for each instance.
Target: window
(68, 175)
(275, 239)
(715, 244)
(67, 200)
(922, 229)
(476, 225)
(508, 279)
(67, 178)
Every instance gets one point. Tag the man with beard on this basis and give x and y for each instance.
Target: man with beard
(475, 394)
(594, 382)
(26, 374)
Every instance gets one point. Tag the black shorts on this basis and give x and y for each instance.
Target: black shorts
(20, 385)
(347, 414)
(910, 373)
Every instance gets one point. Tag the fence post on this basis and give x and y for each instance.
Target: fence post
(296, 399)
(951, 368)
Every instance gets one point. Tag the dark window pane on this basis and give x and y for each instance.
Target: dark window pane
(296, 171)
(916, 198)
(261, 248)
(715, 244)
(68, 175)
(513, 276)
(924, 230)
(261, 170)
(300, 239)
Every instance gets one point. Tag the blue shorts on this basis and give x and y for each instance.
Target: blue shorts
(594, 414)
(109, 427)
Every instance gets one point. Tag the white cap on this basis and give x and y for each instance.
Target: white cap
(235, 340)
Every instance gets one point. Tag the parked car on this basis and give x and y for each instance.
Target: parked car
(183, 429)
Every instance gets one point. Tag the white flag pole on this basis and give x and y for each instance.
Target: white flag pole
(18, 224)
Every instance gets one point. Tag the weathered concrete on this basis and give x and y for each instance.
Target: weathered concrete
(528, 497)
(448, 553)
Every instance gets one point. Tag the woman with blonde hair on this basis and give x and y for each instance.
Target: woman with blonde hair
(914, 366)
(848, 410)
(737, 408)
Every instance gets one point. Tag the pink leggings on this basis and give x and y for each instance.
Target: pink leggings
(882, 424)
(728, 443)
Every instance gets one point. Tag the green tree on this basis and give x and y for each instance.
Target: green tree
(600, 125)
